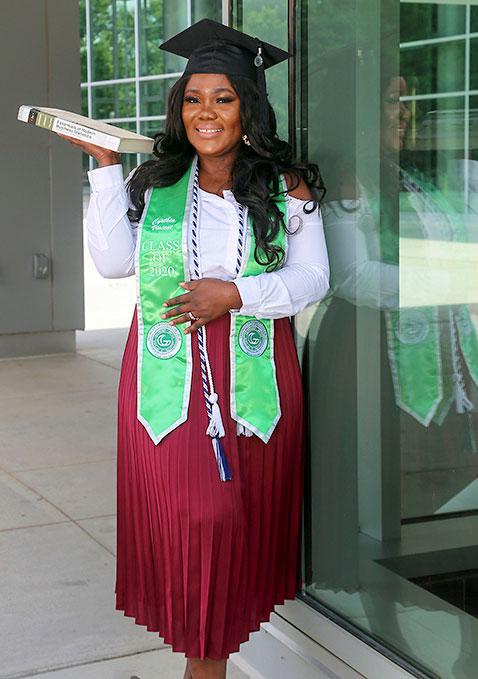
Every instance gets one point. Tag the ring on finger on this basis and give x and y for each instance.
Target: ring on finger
(192, 316)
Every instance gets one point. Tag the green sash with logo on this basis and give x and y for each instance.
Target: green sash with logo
(252, 363)
(422, 388)
(164, 352)
(415, 360)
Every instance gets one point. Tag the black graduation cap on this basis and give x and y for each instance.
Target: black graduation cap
(212, 47)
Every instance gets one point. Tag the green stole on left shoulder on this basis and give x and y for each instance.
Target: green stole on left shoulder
(164, 358)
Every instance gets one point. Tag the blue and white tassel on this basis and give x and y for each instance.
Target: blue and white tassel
(215, 428)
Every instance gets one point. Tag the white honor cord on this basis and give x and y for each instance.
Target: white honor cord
(462, 402)
(215, 428)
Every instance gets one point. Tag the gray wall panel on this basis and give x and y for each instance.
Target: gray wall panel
(40, 175)
(24, 172)
(67, 224)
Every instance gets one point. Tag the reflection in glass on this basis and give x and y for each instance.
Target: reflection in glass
(474, 64)
(436, 67)
(473, 152)
(206, 9)
(474, 19)
(391, 357)
(429, 20)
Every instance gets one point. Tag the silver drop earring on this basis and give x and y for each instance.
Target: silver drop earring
(245, 139)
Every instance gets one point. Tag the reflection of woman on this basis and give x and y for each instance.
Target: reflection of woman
(209, 426)
(428, 356)
(432, 352)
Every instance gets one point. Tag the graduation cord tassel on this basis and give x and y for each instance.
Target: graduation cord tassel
(241, 430)
(215, 427)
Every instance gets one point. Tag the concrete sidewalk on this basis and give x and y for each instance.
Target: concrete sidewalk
(57, 523)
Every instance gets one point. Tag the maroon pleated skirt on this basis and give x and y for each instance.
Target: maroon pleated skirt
(200, 561)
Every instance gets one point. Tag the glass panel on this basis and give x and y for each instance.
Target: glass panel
(151, 128)
(112, 31)
(436, 67)
(474, 19)
(114, 101)
(206, 9)
(130, 160)
(159, 21)
(474, 64)
(85, 160)
(84, 101)
(269, 20)
(84, 74)
(428, 19)
(473, 143)
(157, 24)
(150, 37)
(390, 358)
(154, 95)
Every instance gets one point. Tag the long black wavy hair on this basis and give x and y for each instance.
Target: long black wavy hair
(255, 174)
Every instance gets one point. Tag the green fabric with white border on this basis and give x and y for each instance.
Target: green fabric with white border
(255, 401)
(164, 351)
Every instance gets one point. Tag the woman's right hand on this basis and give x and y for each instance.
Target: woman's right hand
(102, 155)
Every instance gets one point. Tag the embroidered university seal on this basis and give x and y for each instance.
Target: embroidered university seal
(413, 327)
(253, 338)
(164, 340)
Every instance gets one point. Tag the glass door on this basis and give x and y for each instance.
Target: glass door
(386, 92)
(268, 20)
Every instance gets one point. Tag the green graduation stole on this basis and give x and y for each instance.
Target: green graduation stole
(422, 389)
(415, 360)
(164, 359)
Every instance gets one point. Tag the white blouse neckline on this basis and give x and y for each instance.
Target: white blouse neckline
(228, 193)
(215, 195)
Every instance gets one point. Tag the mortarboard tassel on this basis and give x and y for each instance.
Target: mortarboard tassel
(223, 467)
(261, 86)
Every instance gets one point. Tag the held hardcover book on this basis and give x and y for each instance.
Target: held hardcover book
(87, 129)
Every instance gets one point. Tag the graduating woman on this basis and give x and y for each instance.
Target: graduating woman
(223, 231)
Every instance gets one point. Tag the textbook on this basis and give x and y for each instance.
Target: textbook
(87, 129)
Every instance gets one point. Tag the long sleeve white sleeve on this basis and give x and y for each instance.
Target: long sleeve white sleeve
(304, 278)
(357, 274)
(111, 235)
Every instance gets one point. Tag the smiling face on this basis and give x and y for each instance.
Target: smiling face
(396, 116)
(211, 115)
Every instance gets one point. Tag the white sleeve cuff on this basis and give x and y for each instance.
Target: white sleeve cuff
(250, 291)
(108, 177)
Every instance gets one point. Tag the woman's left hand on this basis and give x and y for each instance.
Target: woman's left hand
(207, 299)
